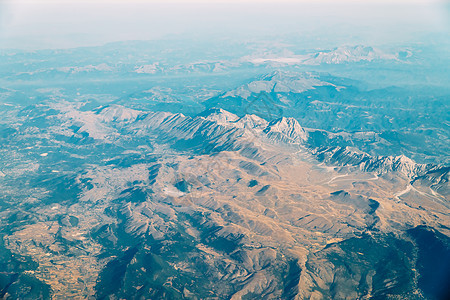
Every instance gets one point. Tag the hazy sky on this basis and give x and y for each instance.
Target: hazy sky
(68, 23)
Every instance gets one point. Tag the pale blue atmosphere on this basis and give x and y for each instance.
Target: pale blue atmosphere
(224, 149)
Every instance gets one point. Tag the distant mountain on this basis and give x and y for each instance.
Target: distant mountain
(278, 82)
(348, 54)
(338, 55)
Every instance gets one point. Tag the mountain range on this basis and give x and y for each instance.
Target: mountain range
(143, 204)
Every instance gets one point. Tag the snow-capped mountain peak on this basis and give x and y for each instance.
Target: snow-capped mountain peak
(219, 115)
(286, 130)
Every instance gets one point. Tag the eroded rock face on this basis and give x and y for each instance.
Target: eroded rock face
(160, 205)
